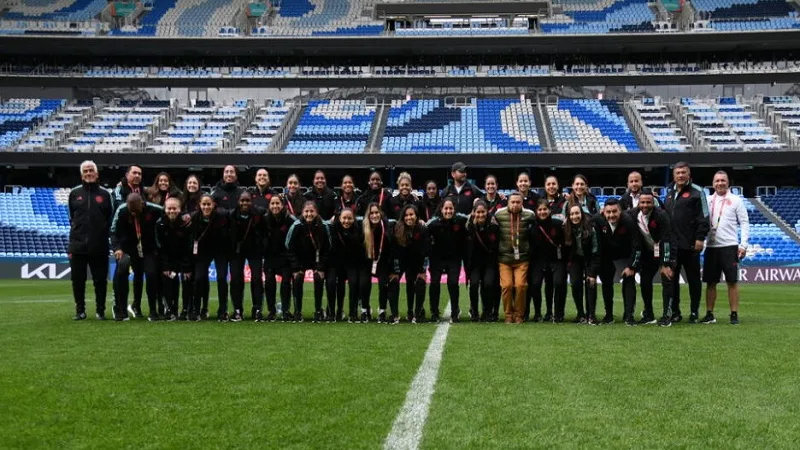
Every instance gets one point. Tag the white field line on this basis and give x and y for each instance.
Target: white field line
(409, 424)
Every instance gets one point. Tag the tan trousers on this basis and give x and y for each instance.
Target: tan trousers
(514, 278)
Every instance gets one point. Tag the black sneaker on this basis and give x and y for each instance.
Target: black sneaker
(709, 318)
(537, 318)
(608, 319)
(548, 317)
(204, 313)
(119, 317)
(353, 318)
(676, 317)
(339, 317)
(579, 319)
(409, 317)
(666, 321)
(271, 317)
(693, 317)
(420, 316)
(434, 317)
(648, 320)
(79, 316)
(558, 319)
(222, 316)
(184, 316)
(734, 318)
(197, 318)
(298, 317)
(591, 320)
(382, 317)
(258, 317)
(153, 317)
(237, 316)
(132, 312)
(100, 316)
(318, 317)
(454, 318)
(630, 322)
(364, 317)
(171, 317)
(394, 320)
(288, 317)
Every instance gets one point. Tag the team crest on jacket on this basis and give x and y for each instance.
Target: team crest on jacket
(98, 199)
(685, 195)
(553, 232)
(80, 199)
(622, 230)
(456, 227)
(268, 196)
(653, 224)
(397, 207)
(492, 237)
(417, 236)
(148, 217)
(284, 228)
(225, 199)
(468, 193)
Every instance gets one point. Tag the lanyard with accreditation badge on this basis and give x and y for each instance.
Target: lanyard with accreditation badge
(138, 228)
(515, 235)
(656, 246)
(558, 247)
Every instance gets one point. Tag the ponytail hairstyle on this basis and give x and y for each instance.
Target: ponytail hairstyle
(367, 226)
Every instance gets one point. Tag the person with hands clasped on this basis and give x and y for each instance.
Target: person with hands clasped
(483, 240)
(308, 244)
(412, 244)
(448, 247)
(583, 262)
(247, 228)
(210, 229)
(378, 243)
(174, 243)
(658, 256)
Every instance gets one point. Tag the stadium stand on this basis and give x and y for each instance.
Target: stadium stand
(333, 126)
(748, 15)
(725, 124)
(58, 17)
(660, 125)
(590, 126)
(768, 243)
(482, 126)
(783, 114)
(34, 222)
(322, 18)
(259, 135)
(786, 204)
(204, 127)
(188, 18)
(601, 17)
(19, 116)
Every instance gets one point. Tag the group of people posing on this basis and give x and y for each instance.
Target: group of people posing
(509, 247)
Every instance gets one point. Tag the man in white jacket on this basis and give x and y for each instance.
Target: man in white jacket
(724, 247)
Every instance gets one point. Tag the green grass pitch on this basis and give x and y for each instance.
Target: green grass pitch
(209, 385)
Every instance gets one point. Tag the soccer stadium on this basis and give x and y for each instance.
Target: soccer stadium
(399, 224)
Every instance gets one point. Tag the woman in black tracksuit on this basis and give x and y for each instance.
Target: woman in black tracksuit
(492, 198)
(448, 246)
(583, 262)
(557, 202)
(404, 196)
(428, 206)
(276, 262)
(211, 243)
(308, 246)
(173, 240)
(378, 243)
(292, 196)
(412, 244)
(247, 235)
(483, 239)
(347, 262)
(547, 255)
(191, 194)
(375, 194)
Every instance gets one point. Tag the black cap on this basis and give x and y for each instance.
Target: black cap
(459, 167)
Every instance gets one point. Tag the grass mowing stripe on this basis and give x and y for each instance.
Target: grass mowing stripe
(407, 429)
